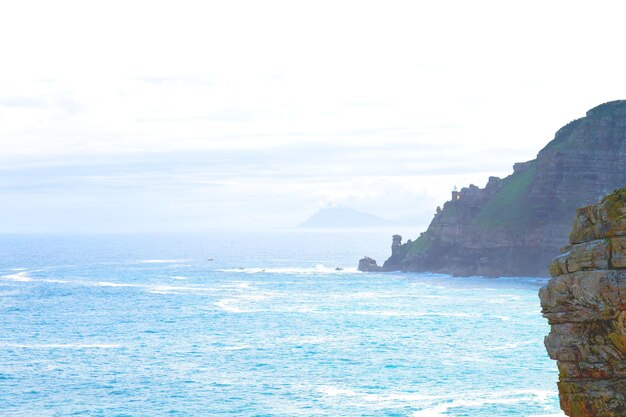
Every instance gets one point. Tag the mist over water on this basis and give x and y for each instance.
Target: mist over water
(260, 323)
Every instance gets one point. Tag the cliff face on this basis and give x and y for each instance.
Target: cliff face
(585, 304)
(515, 225)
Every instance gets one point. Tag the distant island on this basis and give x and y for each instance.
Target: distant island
(516, 225)
(344, 217)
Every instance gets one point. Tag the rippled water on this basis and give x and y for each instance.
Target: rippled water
(149, 326)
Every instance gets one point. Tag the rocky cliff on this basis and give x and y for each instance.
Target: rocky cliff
(585, 304)
(515, 225)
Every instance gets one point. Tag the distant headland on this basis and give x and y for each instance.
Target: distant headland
(515, 225)
(346, 217)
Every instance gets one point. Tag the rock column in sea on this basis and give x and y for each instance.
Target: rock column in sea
(585, 304)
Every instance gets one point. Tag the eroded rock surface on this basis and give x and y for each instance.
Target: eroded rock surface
(585, 304)
(514, 226)
(368, 264)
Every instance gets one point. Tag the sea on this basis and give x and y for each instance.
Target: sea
(260, 323)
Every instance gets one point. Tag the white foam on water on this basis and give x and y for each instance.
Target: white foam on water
(381, 400)
(480, 399)
(62, 345)
(318, 269)
(240, 285)
(548, 415)
(383, 313)
(242, 303)
(152, 288)
(111, 284)
(306, 340)
(513, 345)
(55, 281)
(367, 295)
(179, 277)
(334, 391)
(19, 277)
(507, 346)
(436, 405)
(392, 313)
(162, 261)
(23, 277)
(233, 348)
(436, 297)
(228, 306)
(174, 289)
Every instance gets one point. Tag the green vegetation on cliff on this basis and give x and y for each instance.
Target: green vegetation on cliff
(510, 205)
(514, 225)
(615, 203)
(420, 244)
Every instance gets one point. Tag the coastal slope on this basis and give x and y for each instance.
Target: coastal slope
(515, 225)
(585, 304)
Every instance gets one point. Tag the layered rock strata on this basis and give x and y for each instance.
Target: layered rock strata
(515, 225)
(585, 304)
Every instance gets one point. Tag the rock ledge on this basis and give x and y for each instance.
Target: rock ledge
(585, 304)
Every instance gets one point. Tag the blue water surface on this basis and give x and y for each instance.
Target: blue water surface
(260, 324)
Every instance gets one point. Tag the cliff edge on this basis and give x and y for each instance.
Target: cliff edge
(516, 225)
(585, 304)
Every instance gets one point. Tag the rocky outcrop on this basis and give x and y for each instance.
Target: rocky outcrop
(585, 304)
(516, 225)
(368, 264)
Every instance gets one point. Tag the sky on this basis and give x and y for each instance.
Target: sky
(149, 116)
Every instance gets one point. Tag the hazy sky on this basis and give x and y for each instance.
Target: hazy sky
(165, 116)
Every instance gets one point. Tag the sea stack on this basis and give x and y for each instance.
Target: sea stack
(585, 304)
(367, 264)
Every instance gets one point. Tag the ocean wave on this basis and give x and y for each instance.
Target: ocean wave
(20, 277)
(394, 313)
(238, 285)
(55, 281)
(548, 415)
(481, 399)
(230, 307)
(233, 305)
(234, 348)
(435, 405)
(110, 284)
(306, 340)
(381, 400)
(253, 303)
(318, 269)
(62, 345)
(509, 346)
(176, 289)
(161, 261)
(152, 288)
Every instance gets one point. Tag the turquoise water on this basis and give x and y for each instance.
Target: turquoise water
(149, 326)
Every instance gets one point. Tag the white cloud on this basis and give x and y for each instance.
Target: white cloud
(228, 107)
